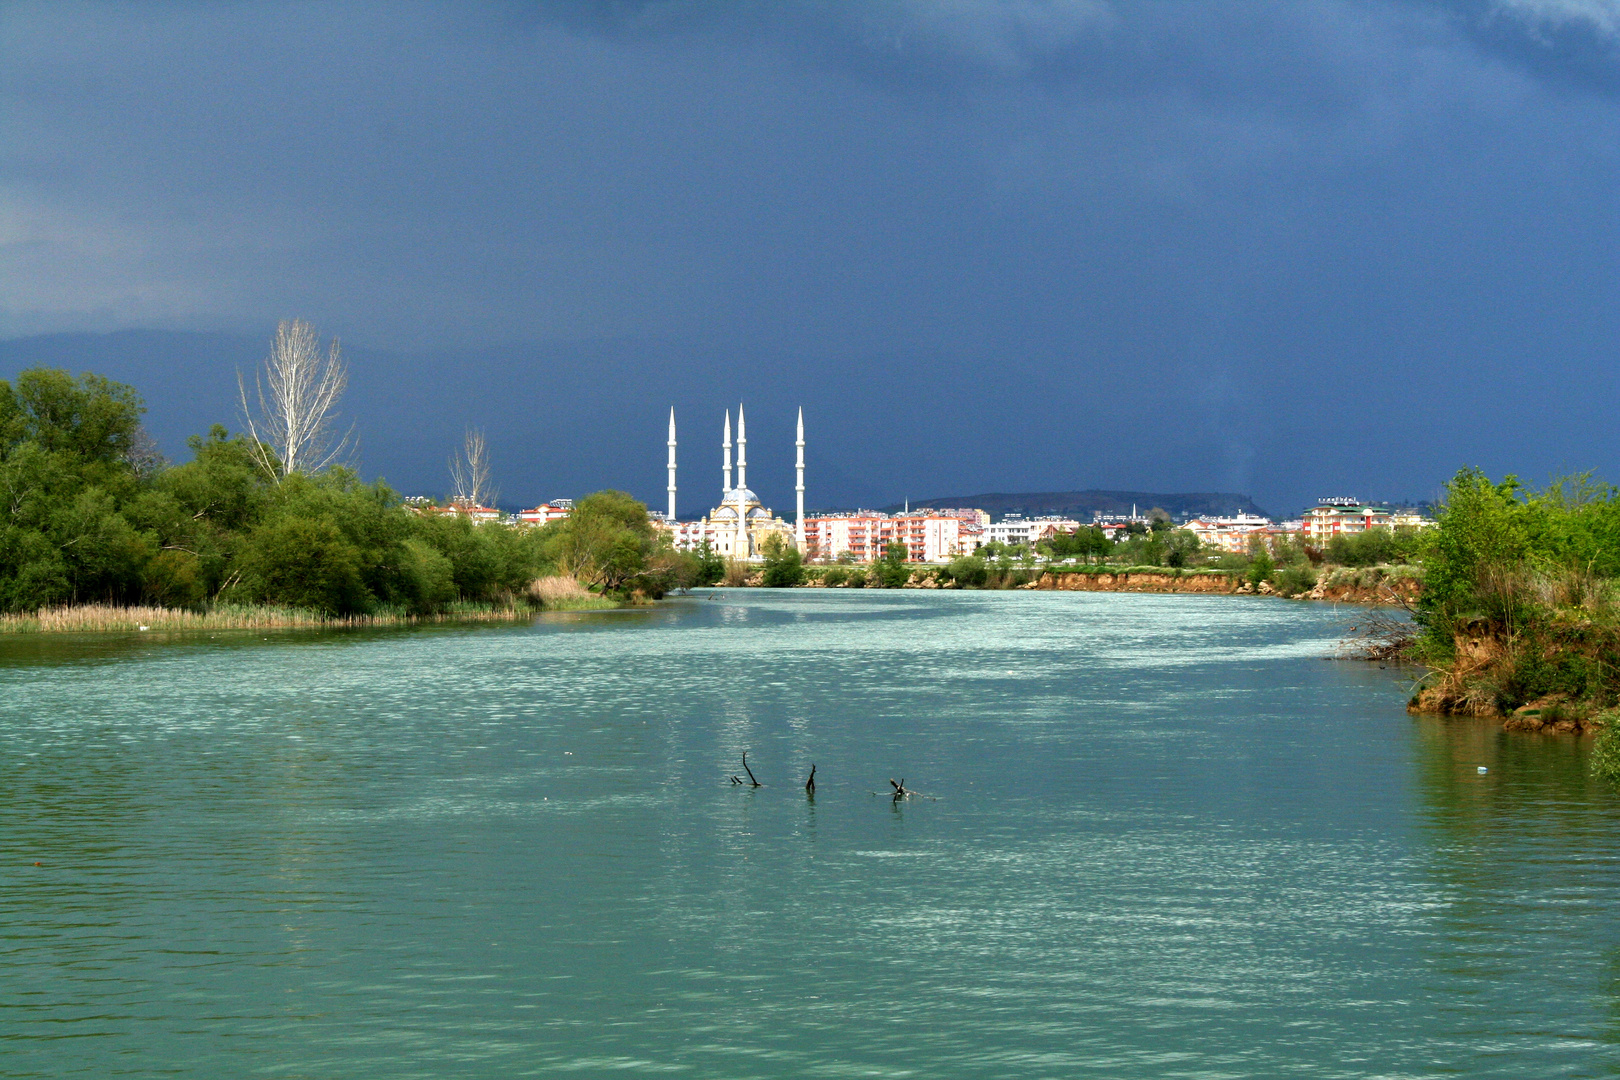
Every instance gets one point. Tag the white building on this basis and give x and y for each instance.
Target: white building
(555, 510)
(739, 526)
(1228, 533)
(1016, 530)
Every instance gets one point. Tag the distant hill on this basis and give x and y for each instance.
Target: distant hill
(1081, 505)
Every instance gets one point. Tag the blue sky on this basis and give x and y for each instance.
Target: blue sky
(1288, 249)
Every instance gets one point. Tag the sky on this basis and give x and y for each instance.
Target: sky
(1290, 249)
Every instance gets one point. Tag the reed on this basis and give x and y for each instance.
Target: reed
(561, 593)
(106, 618)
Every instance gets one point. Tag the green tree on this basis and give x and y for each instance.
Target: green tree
(1260, 568)
(608, 541)
(891, 570)
(784, 566)
(89, 420)
(969, 571)
(65, 475)
(307, 563)
(711, 567)
(427, 581)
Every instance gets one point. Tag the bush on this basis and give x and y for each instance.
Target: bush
(784, 566)
(835, 576)
(1375, 547)
(1606, 748)
(1260, 568)
(710, 566)
(1296, 579)
(968, 571)
(427, 581)
(891, 573)
(307, 564)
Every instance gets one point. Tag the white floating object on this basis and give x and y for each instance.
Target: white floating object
(1483, 770)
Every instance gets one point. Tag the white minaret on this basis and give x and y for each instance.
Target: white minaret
(742, 450)
(672, 464)
(727, 444)
(798, 527)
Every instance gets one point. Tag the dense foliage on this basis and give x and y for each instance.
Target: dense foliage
(784, 566)
(1533, 577)
(90, 515)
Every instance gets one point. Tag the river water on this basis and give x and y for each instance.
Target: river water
(1166, 838)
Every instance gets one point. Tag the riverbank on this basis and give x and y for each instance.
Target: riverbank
(110, 619)
(1375, 586)
(1555, 678)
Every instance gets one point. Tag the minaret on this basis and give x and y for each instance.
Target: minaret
(742, 450)
(798, 527)
(727, 489)
(672, 465)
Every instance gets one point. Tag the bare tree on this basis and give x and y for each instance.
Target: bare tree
(469, 472)
(294, 427)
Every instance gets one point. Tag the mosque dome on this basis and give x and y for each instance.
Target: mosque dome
(742, 495)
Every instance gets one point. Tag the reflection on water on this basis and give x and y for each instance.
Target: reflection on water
(1169, 839)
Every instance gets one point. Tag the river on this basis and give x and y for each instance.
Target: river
(1157, 836)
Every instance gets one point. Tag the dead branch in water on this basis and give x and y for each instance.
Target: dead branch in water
(900, 791)
(810, 784)
(751, 781)
(1379, 637)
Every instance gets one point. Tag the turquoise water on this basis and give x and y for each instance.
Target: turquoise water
(1167, 839)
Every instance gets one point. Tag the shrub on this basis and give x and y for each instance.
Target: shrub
(784, 566)
(835, 576)
(426, 579)
(969, 571)
(1293, 580)
(1606, 747)
(304, 563)
(1260, 568)
(891, 574)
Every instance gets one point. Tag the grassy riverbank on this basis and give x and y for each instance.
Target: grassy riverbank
(1520, 615)
(545, 594)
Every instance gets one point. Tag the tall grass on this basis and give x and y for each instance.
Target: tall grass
(560, 593)
(108, 619)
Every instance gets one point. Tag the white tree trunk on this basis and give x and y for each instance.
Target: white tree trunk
(470, 473)
(295, 424)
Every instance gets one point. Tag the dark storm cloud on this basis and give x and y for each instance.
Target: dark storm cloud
(1287, 248)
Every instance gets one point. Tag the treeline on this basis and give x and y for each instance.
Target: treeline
(1519, 605)
(93, 515)
(1288, 565)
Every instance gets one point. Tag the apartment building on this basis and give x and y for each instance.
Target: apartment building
(929, 536)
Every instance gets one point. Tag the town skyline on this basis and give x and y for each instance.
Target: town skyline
(1274, 249)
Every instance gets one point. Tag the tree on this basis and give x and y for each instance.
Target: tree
(89, 419)
(469, 472)
(784, 566)
(711, 565)
(891, 570)
(608, 541)
(298, 389)
(969, 571)
(306, 563)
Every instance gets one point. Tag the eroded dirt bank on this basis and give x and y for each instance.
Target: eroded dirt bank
(1359, 588)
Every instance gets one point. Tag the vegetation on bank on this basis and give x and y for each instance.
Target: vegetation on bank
(1359, 564)
(1519, 613)
(95, 521)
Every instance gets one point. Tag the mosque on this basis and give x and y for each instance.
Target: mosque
(740, 525)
